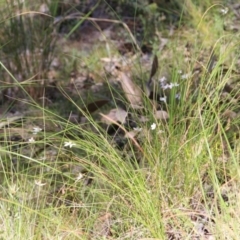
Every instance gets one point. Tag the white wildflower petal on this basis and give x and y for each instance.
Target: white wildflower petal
(153, 126)
(165, 86)
(163, 99)
(31, 140)
(162, 79)
(79, 177)
(224, 11)
(39, 183)
(169, 86)
(36, 130)
(69, 144)
(186, 76)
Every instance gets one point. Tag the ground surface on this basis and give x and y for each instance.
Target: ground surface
(78, 140)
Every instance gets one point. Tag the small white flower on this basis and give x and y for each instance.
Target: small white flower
(153, 126)
(163, 99)
(69, 144)
(224, 11)
(31, 140)
(166, 86)
(36, 130)
(170, 86)
(162, 79)
(79, 177)
(39, 183)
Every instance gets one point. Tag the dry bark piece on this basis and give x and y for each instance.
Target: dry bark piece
(154, 66)
(153, 72)
(132, 92)
(94, 106)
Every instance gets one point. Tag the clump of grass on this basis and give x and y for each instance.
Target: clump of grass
(180, 180)
(27, 46)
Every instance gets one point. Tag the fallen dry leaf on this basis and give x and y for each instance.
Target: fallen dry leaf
(161, 115)
(132, 91)
(21, 132)
(121, 115)
(116, 114)
(229, 114)
(102, 226)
